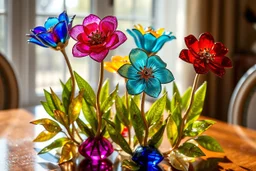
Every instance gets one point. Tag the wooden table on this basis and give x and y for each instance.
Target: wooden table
(17, 151)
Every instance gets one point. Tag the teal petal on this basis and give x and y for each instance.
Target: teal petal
(50, 22)
(155, 62)
(138, 58)
(135, 87)
(161, 41)
(61, 30)
(153, 87)
(164, 76)
(150, 41)
(137, 36)
(128, 71)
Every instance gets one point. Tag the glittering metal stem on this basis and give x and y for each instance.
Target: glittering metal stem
(144, 119)
(98, 110)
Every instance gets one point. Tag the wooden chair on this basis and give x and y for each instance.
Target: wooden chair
(242, 107)
(9, 90)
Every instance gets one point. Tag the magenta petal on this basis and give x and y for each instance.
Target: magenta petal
(76, 30)
(91, 19)
(108, 24)
(99, 57)
(122, 38)
(77, 53)
(83, 47)
(112, 41)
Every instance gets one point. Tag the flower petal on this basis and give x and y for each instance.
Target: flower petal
(36, 41)
(222, 61)
(64, 17)
(108, 24)
(149, 42)
(112, 41)
(192, 43)
(187, 56)
(121, 39)
(38, 29)
(78, 53)
(200, 67)
(138, 58)
(48, 39)
(219, 71)
(61, 30)
(153, 87)
(99, 57)
(76, 30)
(91, 19)
(135, 87)
(155, 62)
(128, 71)
(50, 22)
(90, 28)
(219, 49)
(164, 76)
(137, 36)
(161, 41)
(83, 47)
(206, 40)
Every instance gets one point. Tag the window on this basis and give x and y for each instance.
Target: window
(3, 27)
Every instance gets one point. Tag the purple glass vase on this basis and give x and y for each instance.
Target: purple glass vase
(96, 148)
(98, 165)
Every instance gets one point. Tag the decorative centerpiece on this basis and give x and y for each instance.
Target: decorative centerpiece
(122, 119)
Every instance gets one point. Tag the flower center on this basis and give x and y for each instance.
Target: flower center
(206, 55)
(96, 38)
(146, 73)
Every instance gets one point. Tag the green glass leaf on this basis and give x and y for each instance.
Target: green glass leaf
(55, 144)
(61, 117)
(190, 150)
(130, 165)
(154, 128)
(209, 143)
(106, 106)
(177, 92)
(89, 94)
(47, 109)
(57, 102)
(66, 93)
(198, 127)
(121, 111)
(197, 105)
(186, 98)
(117, 124)
(117, 137)
(84, 128)
(137, 121)
(104, 93)
(49, 100)
(136, 99)
(157, 137)
(156, 110)
(168, 101)
(172, 131)
(90, 115)
(177, 116)
(106, 116)
(48, 124)
(68, 152)
(44, 136)
(75, 107)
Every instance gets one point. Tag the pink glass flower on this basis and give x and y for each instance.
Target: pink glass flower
(95, 37)
(96, 148)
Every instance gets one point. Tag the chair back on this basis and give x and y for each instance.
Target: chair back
(9, 90)
(242, 107)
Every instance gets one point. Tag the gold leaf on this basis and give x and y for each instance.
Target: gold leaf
(44, 136)
(69, 151)
(75, 107)
(48, 124)
(61, 117)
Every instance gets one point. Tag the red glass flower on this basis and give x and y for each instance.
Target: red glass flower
(95, 37)
(206, 55)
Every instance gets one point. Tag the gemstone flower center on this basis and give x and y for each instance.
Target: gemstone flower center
(206, 55)
(146, 73)
(96, 38)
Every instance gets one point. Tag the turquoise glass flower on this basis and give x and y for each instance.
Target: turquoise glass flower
(149, 39)
(54, 33)
(145, 74)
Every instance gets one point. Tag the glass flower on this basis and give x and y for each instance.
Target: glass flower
(54, 33)
(95, 37)
(149, 39)
(145, 74)
(96, 148)
(206, 55)
(116, 63)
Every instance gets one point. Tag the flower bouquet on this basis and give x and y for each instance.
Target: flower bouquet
(123, 118)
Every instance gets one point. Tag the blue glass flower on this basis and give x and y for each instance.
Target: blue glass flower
(54, 34)
(149, 39)
(147, 157)
(145, 74)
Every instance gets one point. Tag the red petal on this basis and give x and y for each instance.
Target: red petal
(192, 43)
(206, 40)
(78, 53)
(219, 49)
(91, 19)
(222, 61)
(112, 41)
(83, 38)
(200, 67)
(97, 48)
(108, 24)
(219, 71)
(99, 57)
(187, 56)
(90, 28)
(121, 39)
(84, 48)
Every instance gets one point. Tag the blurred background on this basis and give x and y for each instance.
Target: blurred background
(229, 21)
